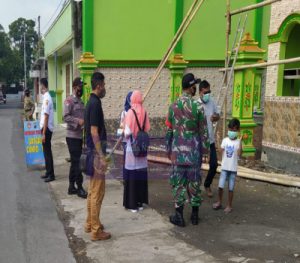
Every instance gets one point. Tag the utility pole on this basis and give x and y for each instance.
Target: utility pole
(39, 36)
(25, 77)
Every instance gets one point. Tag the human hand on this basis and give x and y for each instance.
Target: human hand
(81, 122)
(43, 138)
(172, 157)
(214, 117)
(120, 132)
(103, 164)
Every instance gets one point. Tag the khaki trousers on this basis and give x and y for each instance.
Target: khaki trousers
(95, 197)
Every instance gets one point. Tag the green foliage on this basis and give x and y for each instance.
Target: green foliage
(5, 53)
(12, 50)
(18, 28)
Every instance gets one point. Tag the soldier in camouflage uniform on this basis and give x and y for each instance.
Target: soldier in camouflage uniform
(187, 140)
(28, 106)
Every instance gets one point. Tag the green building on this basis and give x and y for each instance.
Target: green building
(126, 39)
(62, 50)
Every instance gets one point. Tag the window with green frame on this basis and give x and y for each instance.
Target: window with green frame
(291, 76)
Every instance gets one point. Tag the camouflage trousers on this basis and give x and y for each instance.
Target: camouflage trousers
(185, 182)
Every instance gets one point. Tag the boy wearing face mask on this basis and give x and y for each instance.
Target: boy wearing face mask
(212, 115)
(74, 117)
(231, 150)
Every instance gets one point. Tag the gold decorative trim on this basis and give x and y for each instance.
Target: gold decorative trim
(87, 58)
(178, 59)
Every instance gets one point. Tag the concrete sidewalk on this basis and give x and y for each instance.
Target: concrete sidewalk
(142, 237)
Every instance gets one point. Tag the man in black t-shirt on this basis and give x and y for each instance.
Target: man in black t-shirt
(96, 163)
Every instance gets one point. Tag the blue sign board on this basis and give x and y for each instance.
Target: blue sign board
(33, 143)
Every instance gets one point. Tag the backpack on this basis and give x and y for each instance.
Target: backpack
(142, 141)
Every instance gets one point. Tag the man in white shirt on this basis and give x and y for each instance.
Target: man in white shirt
(47, 125)
(212, 115)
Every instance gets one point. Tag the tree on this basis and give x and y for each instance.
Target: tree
(5, 52)
(17, 30)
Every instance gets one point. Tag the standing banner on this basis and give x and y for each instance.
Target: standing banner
(33, 143)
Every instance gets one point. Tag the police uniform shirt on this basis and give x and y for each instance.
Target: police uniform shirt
(47, 107)
(73, 112)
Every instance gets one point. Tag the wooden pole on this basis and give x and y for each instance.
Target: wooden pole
(266, 64)
(252, 7)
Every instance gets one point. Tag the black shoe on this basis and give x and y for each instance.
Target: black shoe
(194, 216)
(72, 190)
(178, 219)
(82, 193)
(44, 176)
(49, 179)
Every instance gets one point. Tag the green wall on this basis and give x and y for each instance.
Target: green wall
(132, 29)
(51, 73)
(60, 32)
(52, 84)
(206, 37)
(66, 60)
(264, 42)
(141, 30)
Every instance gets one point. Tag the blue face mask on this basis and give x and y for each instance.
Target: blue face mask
(232, 135)
(206, 97)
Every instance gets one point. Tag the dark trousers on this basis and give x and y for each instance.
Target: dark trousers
(213, 165)
(75, 150)
(48, 154)
(135, 188)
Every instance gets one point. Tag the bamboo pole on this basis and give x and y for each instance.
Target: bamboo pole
(227, 60)
(266, 64)
(183, 27)
(170, 48)
(252, 7)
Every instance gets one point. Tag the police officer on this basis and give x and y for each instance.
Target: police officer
(47, 127)
(74, 117)
(28, 106)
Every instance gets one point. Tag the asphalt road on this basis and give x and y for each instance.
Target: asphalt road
(30, 230)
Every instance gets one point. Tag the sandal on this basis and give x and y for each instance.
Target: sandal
(227, 210)
(217, 206)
